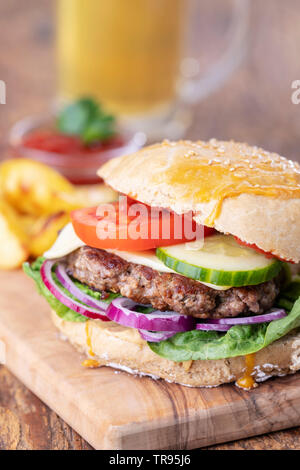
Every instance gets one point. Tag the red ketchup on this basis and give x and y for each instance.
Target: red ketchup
(68, 154)
(51, 141)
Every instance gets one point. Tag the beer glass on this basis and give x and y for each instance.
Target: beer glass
(142, 58)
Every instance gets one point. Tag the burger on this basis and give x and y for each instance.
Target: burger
(191, 276)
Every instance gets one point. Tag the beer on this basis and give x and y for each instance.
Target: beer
(125, 53)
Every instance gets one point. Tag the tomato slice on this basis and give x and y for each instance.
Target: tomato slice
(132, 226)
(256, 248)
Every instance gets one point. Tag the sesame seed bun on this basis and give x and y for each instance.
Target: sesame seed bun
(235, 188)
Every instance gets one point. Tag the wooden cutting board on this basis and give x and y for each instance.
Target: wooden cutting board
(114, 410)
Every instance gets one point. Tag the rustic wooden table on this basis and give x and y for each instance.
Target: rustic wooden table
(255, 106)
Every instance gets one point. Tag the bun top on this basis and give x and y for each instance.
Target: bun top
(233, 187)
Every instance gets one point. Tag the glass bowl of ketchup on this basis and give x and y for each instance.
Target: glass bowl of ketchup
(37, 138)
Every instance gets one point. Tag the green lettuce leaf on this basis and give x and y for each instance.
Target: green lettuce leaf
(33, 271)
(238, 341)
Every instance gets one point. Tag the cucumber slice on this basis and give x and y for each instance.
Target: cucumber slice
(219, 260)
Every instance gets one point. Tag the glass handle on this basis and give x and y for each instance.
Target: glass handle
(198, 88)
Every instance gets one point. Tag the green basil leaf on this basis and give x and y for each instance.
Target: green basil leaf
(100, 128)
(87, 120)
(74, 118)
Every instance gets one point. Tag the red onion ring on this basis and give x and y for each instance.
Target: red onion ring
(212, 326)
(68, 284)
(120, 311)
(274, 314)
(156, 336)
(46, 274)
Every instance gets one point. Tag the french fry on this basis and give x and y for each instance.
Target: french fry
(43, 232)
(35, 189)
(35, 203)
(27, 222)
(13, 239)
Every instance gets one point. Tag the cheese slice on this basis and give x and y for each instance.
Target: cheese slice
(67, 242)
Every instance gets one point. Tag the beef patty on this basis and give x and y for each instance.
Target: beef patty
(105, 271)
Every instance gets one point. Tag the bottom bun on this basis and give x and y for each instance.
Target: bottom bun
(122, 348)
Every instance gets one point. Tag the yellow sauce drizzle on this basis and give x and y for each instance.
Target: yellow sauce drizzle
(247, 381)
(89, 340)
(187, 365)
(215, 170)
(91, 363)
